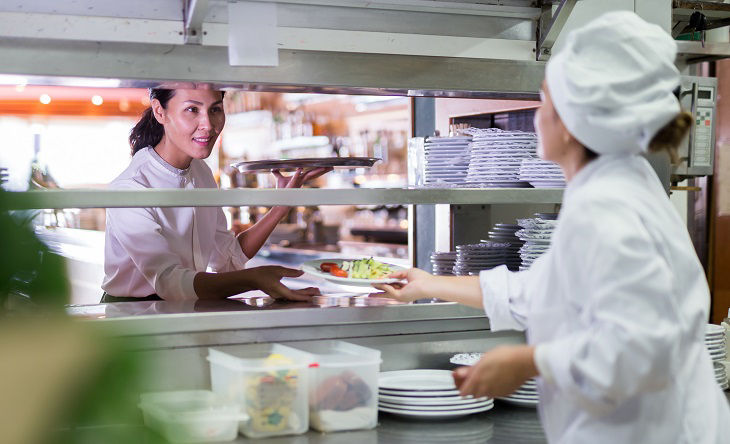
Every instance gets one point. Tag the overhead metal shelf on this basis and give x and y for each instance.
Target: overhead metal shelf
(467, 48)
(134, 65)
(707, 15)
(57, 199)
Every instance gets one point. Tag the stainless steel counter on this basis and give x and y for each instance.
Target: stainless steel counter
(505, 424)
(260, 312)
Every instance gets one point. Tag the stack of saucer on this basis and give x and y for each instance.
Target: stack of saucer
(506, 233)
(525, 396)
(426, 394)
(721, 375)
(496, 156)
(473, 258)
(542, 174)
(536, 234)
(442, 263)
(715, 341)
(446, 161)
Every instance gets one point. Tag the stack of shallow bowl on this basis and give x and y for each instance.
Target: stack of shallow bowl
(505, 233)
(496, 156)
(473, 258)
(525, 396)
(446, 161)
(721, 375)
(442, 263)
(715, 343)
(426, 395)
(542, 174)
(536, 234)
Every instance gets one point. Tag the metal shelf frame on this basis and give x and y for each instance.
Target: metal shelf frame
(463, 48)
(57, 199)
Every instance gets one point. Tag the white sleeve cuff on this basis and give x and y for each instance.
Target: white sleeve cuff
(175, 284)
(543, 364)
(496, 298)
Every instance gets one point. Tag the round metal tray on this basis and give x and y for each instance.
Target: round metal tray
(293, 164)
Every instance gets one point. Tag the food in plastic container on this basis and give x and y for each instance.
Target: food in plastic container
(269, 382)
(343, 385)
(191, 416)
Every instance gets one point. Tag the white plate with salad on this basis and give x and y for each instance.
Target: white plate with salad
(357, 272)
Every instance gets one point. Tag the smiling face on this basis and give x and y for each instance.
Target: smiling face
(193, 120)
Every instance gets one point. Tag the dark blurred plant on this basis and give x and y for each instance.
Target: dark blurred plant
(63, 380)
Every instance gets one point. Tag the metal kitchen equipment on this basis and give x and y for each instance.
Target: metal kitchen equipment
(698, 95)
(293, 164)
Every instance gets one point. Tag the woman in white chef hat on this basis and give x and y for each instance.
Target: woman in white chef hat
(615, 311)
(168, 253)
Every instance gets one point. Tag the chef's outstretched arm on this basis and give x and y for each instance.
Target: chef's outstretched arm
(266, 279)
(254, 238)
(422, 285)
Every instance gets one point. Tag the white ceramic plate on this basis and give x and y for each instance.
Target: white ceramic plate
(436, 415)
(312, 267)
(533, 397)
(433, 401)
(435, 408)
(420, 393)
(520, 402)
(417, 380)
(714, 329)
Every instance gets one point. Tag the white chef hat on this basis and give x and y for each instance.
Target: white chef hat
(612, 83)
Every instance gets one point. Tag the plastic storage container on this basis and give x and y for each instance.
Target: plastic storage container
(268, 382)
(343, 386)
(191, 416)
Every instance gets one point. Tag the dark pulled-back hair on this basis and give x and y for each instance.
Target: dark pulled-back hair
(148, 131)
(666, 139)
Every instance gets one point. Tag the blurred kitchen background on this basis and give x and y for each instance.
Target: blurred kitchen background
(71, 137)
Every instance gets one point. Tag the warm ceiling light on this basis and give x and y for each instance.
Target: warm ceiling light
(45, 99)
(97, 100)
(123, 105)
(20, 88)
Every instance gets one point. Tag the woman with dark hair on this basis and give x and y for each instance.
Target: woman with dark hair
(169, 253)
(615, 311)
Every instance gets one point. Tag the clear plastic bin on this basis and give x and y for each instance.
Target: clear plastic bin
(268, 382)
(343, 386)
(191, 416)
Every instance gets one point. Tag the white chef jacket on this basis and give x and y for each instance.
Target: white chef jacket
(159, 250)
(617, 309)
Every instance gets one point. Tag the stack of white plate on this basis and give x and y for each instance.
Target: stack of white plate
(473, 258)
(525, 396)
(536, 233)
(442, 263)
(426, 394)
(446, 161)
(721, 375)
(542, 174)
(496, 157)
(715, 341)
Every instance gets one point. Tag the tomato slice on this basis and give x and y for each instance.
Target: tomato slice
(339, 272)
(327, 266)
